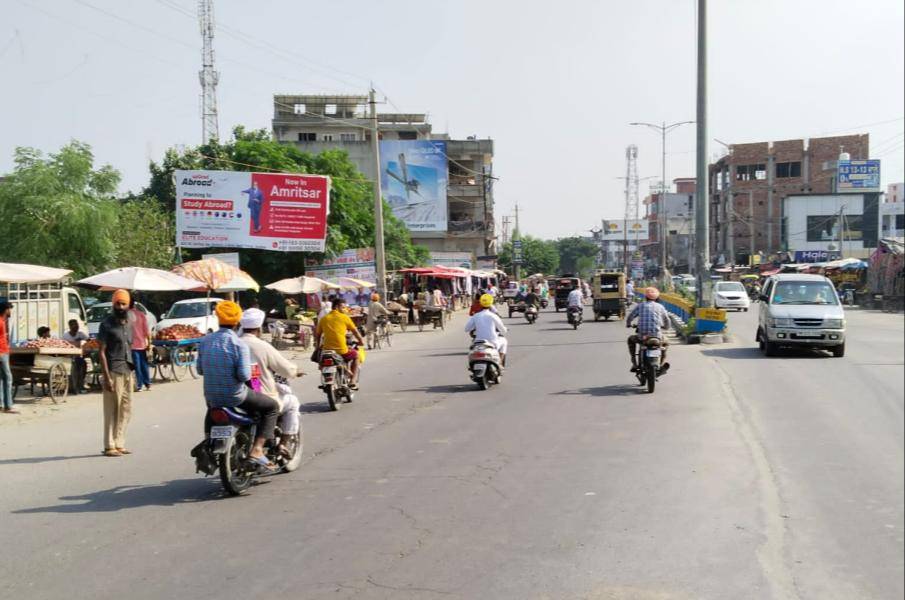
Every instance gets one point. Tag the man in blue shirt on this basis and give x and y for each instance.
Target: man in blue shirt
(651, 318)
(225, 362)
(255, 202)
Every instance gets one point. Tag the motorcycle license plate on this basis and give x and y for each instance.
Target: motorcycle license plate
(653, 352)
(329, 370)
(479, 369)
(222, 432)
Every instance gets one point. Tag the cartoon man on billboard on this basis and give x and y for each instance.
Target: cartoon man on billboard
(255, 202)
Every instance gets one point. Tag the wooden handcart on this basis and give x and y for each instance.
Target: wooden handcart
(48, 367)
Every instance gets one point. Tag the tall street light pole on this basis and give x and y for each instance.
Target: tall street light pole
(379, 251)
(701, 206)
(663, 213)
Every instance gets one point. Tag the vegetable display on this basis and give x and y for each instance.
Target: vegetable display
(179, 332)
(47, 343)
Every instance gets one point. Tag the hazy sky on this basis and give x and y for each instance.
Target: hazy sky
(555, 84)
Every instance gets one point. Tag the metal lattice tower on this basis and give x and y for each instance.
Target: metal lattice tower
(208, 76)
(632, 209)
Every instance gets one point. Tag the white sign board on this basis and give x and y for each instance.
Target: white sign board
(615, 230)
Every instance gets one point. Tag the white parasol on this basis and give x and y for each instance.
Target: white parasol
(140, 279)
(21, 273)
(350, 283)
(294, 286)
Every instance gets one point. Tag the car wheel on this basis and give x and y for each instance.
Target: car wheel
(838, 351)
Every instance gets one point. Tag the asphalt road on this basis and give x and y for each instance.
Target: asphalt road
(741, 477)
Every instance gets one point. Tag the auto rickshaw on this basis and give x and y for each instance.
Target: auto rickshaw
(562, 286)
(608, 289)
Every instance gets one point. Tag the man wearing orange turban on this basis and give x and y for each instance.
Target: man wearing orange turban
(225, 362)
(117, 364)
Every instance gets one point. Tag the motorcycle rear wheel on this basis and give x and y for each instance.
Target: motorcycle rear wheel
(651, 378)
(234, 480)
(296, 446)
(331, 397)
(484, 381)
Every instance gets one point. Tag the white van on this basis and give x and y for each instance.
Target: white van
(800, 311)
(101, 310)
(198, 312)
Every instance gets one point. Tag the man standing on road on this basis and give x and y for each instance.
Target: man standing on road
(6, 375)
(488, 326)
(117, 364)
(79, 367)
(629, 291)
(651, 317)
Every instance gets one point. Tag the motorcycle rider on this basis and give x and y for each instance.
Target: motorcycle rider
(651, 318)
(532, 299)
(574, 303)
(375, 310)
(330, 334)
(224, 361)
(270, 363)
(488, 326)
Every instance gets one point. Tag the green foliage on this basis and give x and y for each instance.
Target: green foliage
(58, 210)
(538, 256)
(145, 234)
(577, 255)
(351, 220)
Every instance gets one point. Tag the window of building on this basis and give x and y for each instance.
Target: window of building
(751, 172)
(330, 109)
(327, 137)
(307, 136)
(900, 221)
(298, 109)
(760, 171)
(788, 169)
(408, 135)
(347, 137)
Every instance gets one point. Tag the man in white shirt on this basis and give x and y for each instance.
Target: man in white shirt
(575, 298)
(266, 361)
(488, 326)
(79, 366)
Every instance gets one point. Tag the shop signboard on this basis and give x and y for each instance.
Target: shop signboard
(486, 263)
(413, 181)
(356, 262)
(267, 211)
(812, 256)
(517, 258)
(452, 259)
(858, 176)
(615, 230)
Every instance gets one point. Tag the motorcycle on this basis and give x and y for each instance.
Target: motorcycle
(544, 302)
(227, 445)
(647, 358)
(531, 314)
(484, 364)
(575, 316)
(336, 378)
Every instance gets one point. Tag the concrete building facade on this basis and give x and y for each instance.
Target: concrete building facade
(677, 208)
(895, 192)
(314, 123)
(748, 185)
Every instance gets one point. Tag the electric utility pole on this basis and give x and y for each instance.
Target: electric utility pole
(517, 237)
(702, 204)
(379, 254)
(208, 76)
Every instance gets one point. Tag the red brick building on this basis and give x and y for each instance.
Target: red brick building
(747, 187)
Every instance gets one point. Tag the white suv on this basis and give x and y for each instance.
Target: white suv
(803, 311)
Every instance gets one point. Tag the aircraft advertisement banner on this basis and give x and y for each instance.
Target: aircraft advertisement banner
(237, 209)
(413, 181)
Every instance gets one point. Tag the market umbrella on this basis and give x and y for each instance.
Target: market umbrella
(294, 286)
(22, 273)
(140, 279)
(217, 275)
(350, 283)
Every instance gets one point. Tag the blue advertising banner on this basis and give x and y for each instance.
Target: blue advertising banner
(858, 176)
(413, 181)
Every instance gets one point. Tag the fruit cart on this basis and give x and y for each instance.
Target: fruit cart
(174, 352)
(44, 365)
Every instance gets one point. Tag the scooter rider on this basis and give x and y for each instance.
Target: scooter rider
(576, 297)
(488, 326)
(532, 299)
(225, 363)
(651, 318)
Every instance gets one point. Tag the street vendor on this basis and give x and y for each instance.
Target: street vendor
(6, 374)
(375, 310)
(79, 366)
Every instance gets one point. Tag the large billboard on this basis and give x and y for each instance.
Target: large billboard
(413, 181)
(355, 262)
(452, 259)
(268, 211)
(858, 176)
(615, 230)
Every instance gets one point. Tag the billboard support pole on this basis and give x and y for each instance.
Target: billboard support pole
(379, 254)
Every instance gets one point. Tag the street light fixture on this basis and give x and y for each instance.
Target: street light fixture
(663, 129)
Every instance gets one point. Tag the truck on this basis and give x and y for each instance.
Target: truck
(51, 304)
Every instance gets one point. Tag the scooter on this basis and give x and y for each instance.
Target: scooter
(531, 314)
(647, 358)
(575, 316)
(484, 364)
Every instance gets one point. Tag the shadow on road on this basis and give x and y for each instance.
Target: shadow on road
(607, 390)
(35, 460)
(752, 352)
(123, 497)
(442, 389)
(309, 408)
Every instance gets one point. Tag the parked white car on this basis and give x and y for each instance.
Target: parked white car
(101, 310)
(198, 312)
(730, 294)
(801, 311)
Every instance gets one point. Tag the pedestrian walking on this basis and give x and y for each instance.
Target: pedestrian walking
(6, 375)
(117, 364)
(141, 344)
